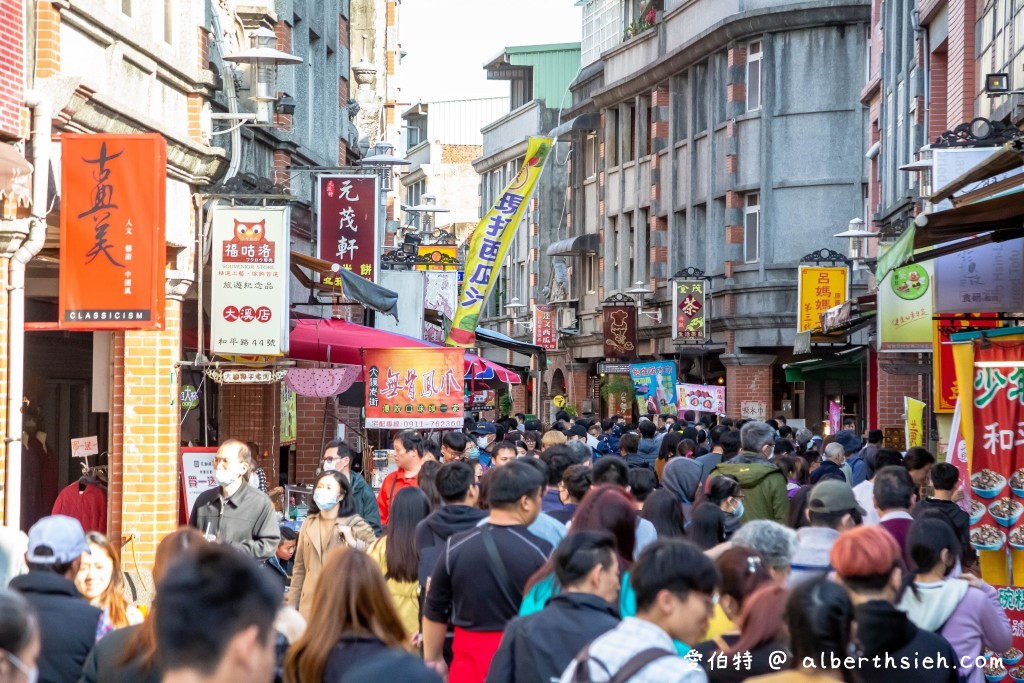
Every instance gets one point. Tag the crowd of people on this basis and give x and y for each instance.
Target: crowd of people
(670, 550)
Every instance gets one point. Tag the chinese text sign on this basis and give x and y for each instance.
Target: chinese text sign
(414, 388)
(545, 327)
(689, 311)
(347, 223)
(654, 385)
(819, 290)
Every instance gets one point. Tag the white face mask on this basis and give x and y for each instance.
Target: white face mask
(482, 442)
(331, 465)
(324, 499)
(31, 675)
(226, 477)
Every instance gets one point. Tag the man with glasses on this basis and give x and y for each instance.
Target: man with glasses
(234, 512)
(338, 458)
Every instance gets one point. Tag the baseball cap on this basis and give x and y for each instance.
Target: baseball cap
(57, 539)
(848, 440)
(577, 430)
(484, 428)
(832, 495)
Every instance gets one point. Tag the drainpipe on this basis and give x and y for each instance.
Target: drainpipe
(42, 116)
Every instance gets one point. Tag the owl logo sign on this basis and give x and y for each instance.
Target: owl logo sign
(248, 243)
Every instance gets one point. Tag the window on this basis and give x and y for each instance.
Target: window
(412, 136)
(168, 23)
(590, 155)
(700, 98)
(611, 137)
(754, 76)
(679, 108)
(648, 129)
(590, 273)
(126, 7)
(751, 227)
(629, 133)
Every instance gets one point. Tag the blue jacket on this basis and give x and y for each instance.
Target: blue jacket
(858, 469)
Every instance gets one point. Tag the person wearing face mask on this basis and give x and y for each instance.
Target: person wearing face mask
(763, 484)
(234, 512)
(484, 436)
(717, 516)
(338, 458)
(333, 521)
(19, 639)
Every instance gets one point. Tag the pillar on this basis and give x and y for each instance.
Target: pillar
(892, 388)
(748, 377)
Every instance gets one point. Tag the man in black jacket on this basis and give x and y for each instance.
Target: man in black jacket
(338, 457)
(456, 482)
(68, 625)
(944, 480)
(539, 647)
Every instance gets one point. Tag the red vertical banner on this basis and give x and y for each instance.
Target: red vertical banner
(545, 327)
(348, 233)
(113, 247)
(944, 384)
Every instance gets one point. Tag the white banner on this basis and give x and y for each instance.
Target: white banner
(249, 302)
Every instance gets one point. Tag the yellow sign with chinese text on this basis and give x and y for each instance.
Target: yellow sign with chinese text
(819, 290)
(915, 421)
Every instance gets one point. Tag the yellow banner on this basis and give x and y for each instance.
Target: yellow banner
(819, 290)
(491, 240)
(915, 421)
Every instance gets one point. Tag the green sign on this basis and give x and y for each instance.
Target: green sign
(189, 397)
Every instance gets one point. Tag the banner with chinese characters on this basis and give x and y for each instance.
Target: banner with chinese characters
(249, 297)
(945, 391)
(689, 311)
(914, 410)
(819, 289)
(706, 398)
(835, 417)
(982, 279)
(414, 388)
(620, 331)
(113, 247)
(437, 257)
(491, 240)
(347, 230)
(545, 327)
(905, 309)
(654, 385)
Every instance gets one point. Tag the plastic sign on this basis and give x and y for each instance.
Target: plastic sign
(414, 388)
(347, 224)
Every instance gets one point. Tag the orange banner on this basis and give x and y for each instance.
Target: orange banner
(414, 388)
(112, 242)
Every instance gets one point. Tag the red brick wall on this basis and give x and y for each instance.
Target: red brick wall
(747, 383)
(460, 154)
(47, 40)
(937, 91)
(252, 412)
(12, 65)
(961, 62)
(4, 298)
(891, 391)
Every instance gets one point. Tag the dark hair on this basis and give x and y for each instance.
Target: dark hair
(563, 416)
(611, 469)
(641, 482)
(206, 598)
(785, 431)
(668, 445)
(430, 448)
(798, 508)
(790, 466)
(611, 509)
(346, 504)
(456, 441)
(663, 510)
(409, 439)
(686, 448)
(454, 480)
(688, 415)
(721, 488)
(819, 615)
(607, 423)
(707, 526)
(513, 481)
(917, 458)
(409, 507)
(288, 534)
(426, 481)
(742, 571)
(557, 459)
(886, 457)
(715, 435)
(761, 621)
(629, 442)
(674, 565)
(784, 446)
(504, 446)
(927, 538)
(832, 520)
(577, 480)
(578, 554)
(647, 429)
(344, 450)
(945, 476)
(534, 425)
(811, 455)
(875, 436)
(18, 622)
(894, 489)
(730, 442)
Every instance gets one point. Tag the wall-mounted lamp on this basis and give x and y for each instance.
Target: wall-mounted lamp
(639, 290)
(263, 59)
(858, 236)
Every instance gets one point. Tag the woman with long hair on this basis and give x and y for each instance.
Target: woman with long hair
(20, 644)
(717, 515)
(742, 572)
(101, 581)
(666, 451)
(333, 521)
(396, 555)
(666, 514)
(128, 655)
(427, 482)
(762, 632)
(353, 620)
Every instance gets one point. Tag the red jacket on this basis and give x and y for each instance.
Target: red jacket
(88, 506)
(393, 483)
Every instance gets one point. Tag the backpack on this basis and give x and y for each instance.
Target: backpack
(630, 668)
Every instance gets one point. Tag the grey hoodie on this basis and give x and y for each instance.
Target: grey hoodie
(681, 477)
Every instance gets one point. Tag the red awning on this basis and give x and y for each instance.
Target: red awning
(339, 341)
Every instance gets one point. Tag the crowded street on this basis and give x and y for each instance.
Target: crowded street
(556, 341)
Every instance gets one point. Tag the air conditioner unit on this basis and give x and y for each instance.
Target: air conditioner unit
(567, 319)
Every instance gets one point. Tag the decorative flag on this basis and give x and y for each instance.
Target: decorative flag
(915, 421)
(491, 241)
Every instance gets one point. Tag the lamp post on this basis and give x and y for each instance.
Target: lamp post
(263, 58)
(640, 291)
(383, 161)
(858, 236)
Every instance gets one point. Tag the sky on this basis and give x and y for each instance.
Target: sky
(448, 41)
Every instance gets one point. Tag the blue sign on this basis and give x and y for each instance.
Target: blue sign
(655, 387)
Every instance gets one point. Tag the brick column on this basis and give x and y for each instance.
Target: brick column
(747, 378)
(4, 350)
(252, 412)
(519, 404)
(892, 389)
(961, 62)
(47, 40)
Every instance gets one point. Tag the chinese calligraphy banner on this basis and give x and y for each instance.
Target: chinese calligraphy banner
(545, 327)
(914, 410)
(112, 231)
(689, 311)
(706, 398)
(905, 309)
(982, 279)
(819, 290)
(249, 300)
(491, 240)
(414, 388)
(654, 385)
(944, 384)
(347, 223)
(620, 332)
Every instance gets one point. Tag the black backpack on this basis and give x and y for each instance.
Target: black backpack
(631, 668)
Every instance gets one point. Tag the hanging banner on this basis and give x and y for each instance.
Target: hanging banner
(654, 385)
(818, 290)
(414, 388)
(440, 293)
(619, 331)
(249, 301)
(835, 417)
(982, 279)
(491, 240)
(545, 327)
(347, 227)
(113, 247)
(706, 398)
(956, 455)
(905, 309)
(944, 387)
(914, 410)
(689, 306)
(289, 426)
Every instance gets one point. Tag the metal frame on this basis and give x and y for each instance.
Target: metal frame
(825, 255)
(618, 299)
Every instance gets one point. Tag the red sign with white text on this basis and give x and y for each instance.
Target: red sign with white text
(113, 244)
(348, 231)
(545, 327)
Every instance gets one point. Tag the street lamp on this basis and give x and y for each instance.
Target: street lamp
(640, 290)
(382, 161)
(514, 309)
(263, 58)
(428, 208)
(858, 237)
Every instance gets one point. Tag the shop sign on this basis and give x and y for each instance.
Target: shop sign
(819, 289)
(558, 401)
(914, 411)
(188, 397)
(347, 228)
(619, 331)
(482, 399)
(113, 246)
(605, 368)
(945, 390)
(982, 279)
(414, 388)
(753, 410)
(654, 385)
(545, 327)
(196, 475)
(249, 302)
(905, 309)
(689, 311)
(85, 446)
(705, 398)
(437, 257)
(289, 421)
(248, 377)
(491, 241)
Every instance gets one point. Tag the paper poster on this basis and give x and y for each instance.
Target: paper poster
(654, 385)
(705, 398)
(196, 475)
